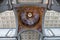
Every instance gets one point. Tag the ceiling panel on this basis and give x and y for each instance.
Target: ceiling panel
(52, 19)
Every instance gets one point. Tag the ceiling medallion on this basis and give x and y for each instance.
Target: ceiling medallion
(29, 18)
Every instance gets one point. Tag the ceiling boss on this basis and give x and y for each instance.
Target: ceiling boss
(30, 17)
